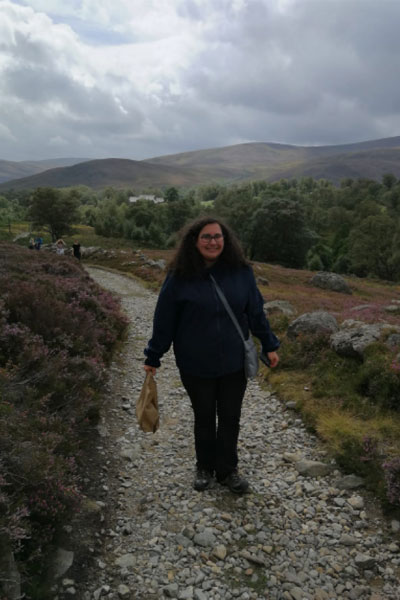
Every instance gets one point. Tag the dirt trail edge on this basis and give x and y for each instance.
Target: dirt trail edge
(304, 532)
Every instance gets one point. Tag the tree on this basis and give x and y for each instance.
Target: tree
(54, 210)
(171, 194)
(389, 180)
(178, 213)
(372, 246)
(9, 211)
(280, 234)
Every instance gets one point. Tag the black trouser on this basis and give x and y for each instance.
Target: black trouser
(216, 447)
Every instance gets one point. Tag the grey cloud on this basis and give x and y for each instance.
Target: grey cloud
(319, 72)
(289, 65)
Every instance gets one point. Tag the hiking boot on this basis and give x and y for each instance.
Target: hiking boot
(237, 484)
(202, 480)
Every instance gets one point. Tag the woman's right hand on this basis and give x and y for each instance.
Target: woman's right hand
(150, 369)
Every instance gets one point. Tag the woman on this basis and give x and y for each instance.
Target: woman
(76, 247)
(60, 246)
(208, 349)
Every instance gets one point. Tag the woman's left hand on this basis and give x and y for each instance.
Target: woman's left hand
(274, 358)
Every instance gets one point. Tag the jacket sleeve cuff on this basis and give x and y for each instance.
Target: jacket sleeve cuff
(152, 360)
(271, 347)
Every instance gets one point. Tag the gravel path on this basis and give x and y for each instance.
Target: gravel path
(300, 533)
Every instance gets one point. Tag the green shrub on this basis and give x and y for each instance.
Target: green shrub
(379, 377)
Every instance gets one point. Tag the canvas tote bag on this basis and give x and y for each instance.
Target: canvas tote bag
(147, 406)
(250, 350)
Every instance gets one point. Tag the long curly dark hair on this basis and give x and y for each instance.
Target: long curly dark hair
(188, 262)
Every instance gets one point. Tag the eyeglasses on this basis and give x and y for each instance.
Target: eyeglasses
(205, 238)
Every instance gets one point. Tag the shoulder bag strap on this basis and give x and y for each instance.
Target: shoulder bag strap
(228, 308)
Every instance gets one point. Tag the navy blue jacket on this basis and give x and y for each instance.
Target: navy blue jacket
(190, 315)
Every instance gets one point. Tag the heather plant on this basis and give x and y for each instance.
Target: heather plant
(391, 470)
(379, 379)
(57, 332)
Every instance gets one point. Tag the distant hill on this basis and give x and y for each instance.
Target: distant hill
(230, 164)
(252, 161)
(15, 170)
(115, 172)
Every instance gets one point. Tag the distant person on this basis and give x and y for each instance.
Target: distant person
(208, 349)
(60, 246)
(77, 249)
(31, 244)
(38, 242)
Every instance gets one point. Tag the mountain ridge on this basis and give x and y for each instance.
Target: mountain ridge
(229, 164)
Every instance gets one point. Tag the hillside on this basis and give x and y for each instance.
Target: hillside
(230, 164)
(15, 170)
(370, 164)
(243, 162)
(114, 172)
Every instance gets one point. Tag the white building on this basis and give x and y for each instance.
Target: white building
(149, 197)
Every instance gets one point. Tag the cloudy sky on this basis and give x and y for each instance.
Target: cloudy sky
(143, 78)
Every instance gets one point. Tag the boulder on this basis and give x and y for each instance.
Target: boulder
(330, 281)
(355, 337)
(262, 280)
(313, 323)
(158, 264)
(88, 251)
(392, 308)
(393, 341)
(282, 306)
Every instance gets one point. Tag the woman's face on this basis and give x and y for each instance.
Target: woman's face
(210, 242)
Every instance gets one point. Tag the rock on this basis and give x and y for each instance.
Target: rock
(319, 322)
(171, 591)
(123, 591)
(296, 593)
(354, 340)
(392, 308)
(282, 306)
(220, 552)
(393, 340)
(364, 561)
(362, 307)
(206, 538)
(313, 468)
(131, 454)
(159, 264)
(87, 252)
(348, 540)
(186, 594)
(291, 405)
(62, 561)
(292, 457)
(395, 525)
(356, 502)
(125, 561)
(349, 482)
(262, 280)
(330, 281)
